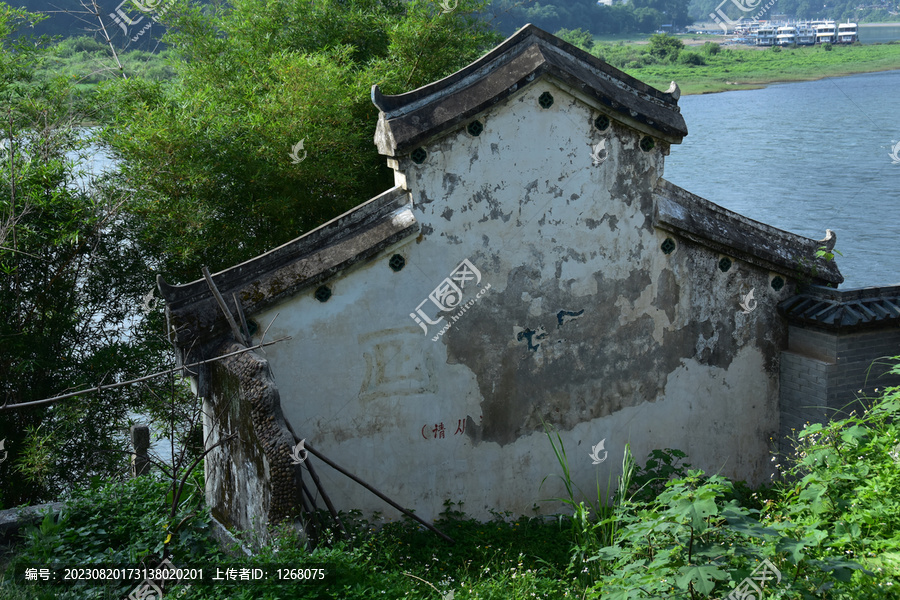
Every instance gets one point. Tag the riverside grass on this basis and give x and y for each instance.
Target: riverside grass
(750, 68)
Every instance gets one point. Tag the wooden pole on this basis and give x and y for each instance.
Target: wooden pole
(379, 494)
(318, 482)
(238, 335)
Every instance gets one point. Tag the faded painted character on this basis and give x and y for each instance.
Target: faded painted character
(438, 430)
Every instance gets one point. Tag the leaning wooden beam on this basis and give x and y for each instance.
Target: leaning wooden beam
(318, 482)
(238, 335)
(331, 509)
(379, 494)
(240, 311)
(139, 379)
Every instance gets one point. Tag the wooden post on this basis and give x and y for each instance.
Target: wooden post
(140, 440)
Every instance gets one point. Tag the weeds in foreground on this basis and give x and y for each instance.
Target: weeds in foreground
(831, 530)
(594, 525)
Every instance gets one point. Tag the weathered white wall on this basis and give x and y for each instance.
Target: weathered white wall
(661, 355)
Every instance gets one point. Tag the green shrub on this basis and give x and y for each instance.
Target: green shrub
(711, 48)
(776, 48)
(665, 47)
(578, 37)
(693, 542)
(691, 58)
(827, 47)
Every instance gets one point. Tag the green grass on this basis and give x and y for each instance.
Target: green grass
(749, 68)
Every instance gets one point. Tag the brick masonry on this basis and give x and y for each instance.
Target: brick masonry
(827, 373)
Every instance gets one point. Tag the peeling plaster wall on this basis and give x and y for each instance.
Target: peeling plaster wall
(250, 481)
(586, 324)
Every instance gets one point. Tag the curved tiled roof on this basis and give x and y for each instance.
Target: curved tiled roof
(723, 230)
(353, 237)
(408, 120)
(838, 309)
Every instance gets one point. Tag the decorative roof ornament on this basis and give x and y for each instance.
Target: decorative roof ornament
(674, 91)
(828, 242)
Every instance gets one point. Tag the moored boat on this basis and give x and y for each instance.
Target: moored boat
(806, 34)
(765, 35)
(826, 33)
(847, 33)
(786, 35)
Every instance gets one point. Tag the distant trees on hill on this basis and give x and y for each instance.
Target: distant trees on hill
(643, 16)
(839, 10)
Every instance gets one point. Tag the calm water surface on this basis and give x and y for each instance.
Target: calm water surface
(804, 157)
(878, 33)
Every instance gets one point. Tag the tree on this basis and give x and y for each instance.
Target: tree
(210, 157)
(70, 284)
(578, 37)
(665, 47)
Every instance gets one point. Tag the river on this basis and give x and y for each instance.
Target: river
(878, 33)
(804, 157)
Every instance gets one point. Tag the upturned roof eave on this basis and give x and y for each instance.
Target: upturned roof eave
(409, 119)
(702, 221)
(265, 280)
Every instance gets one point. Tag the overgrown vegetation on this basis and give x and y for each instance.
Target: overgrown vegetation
(70, 284)
(203, 137)
(828, 527)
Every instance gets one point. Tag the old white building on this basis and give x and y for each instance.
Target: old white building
(531, 265)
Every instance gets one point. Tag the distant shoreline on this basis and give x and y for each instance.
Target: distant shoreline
(749, 68)
(758, 85)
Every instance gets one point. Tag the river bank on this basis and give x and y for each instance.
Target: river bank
(752, 68)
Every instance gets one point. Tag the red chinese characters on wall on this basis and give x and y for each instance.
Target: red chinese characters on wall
(438, 431)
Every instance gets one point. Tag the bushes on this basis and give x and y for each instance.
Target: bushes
(691, 58)
(578, 37)
(665, 47)
(711, 48)
(832, 525)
